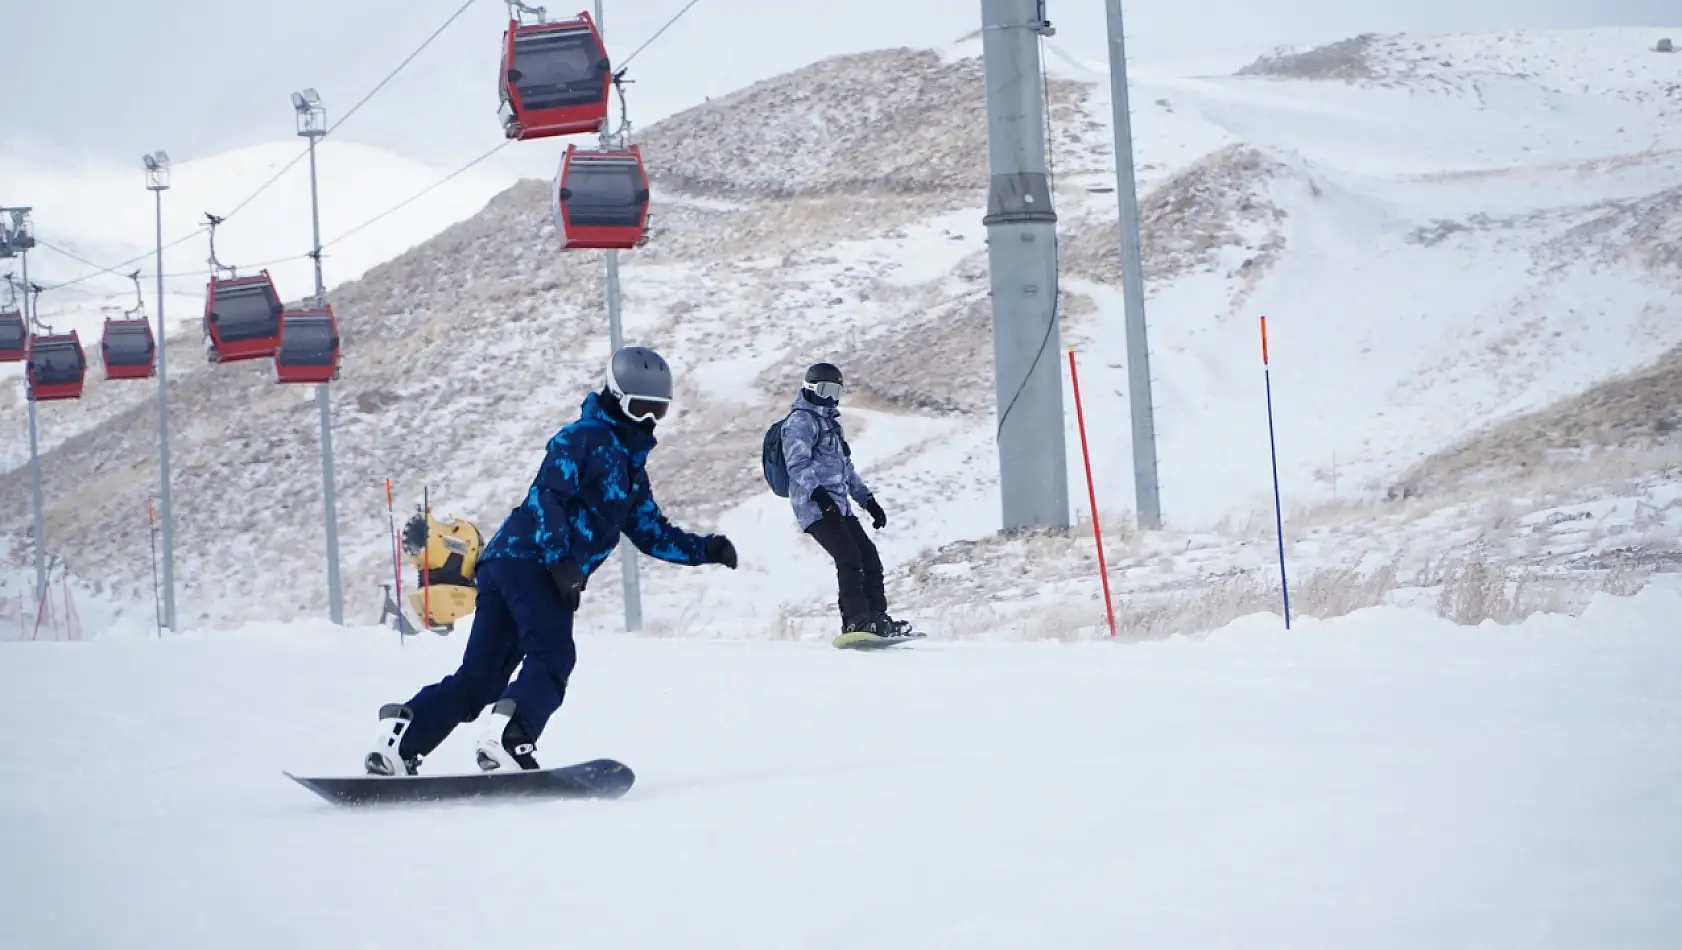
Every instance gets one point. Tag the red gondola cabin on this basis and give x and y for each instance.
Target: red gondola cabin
(309, 347)
(128, 350)
(56, 366)
(242, 318)
(601, 199)
(555, 79)
(14, 338)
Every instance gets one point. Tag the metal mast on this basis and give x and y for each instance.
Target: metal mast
(616, 338)
(157, 182)
(16, 239)
(312, 124)
(1147, 491)
(1022, 260)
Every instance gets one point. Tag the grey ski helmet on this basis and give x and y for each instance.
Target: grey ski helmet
(823, 380)
(641, 382)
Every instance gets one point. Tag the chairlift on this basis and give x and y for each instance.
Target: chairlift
(601, 199)
(56, 366)
(14, 337)
(555, 77)
(309, 347)
(242, 318)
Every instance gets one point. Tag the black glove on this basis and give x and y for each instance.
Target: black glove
(826, 505)
(569, 580)
(878, 517)
(721, 551)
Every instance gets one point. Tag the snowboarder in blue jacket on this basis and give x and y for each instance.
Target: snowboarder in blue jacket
(822, 485)
(591, 488)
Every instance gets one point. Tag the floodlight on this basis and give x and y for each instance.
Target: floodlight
(157, 170)
(312, 115)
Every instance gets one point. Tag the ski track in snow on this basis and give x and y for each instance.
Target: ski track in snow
(1382, 780)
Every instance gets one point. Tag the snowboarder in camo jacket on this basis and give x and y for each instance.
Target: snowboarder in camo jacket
(590, 489)
(823, 484)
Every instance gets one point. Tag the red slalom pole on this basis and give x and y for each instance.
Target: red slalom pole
(396, 559)
(1273, 452)
(1091, 493)
(426, 549)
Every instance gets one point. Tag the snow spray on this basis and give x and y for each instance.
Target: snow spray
(1273, 453)
(1091, 492)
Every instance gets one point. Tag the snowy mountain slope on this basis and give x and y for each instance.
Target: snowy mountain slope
(1395, 333)
(1639, 411)
(1382, 781)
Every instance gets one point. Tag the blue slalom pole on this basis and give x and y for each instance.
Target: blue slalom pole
(1273, 453)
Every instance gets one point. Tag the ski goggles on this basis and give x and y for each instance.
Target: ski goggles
(826, 390)
(644, 408)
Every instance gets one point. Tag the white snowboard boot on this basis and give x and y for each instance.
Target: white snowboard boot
(504, 745)
(384, 759)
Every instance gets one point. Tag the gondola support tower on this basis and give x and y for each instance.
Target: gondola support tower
(16, 238)
(312, 124)
(632, 581)
(157, 182)
(1147, 489)
(1022, 265)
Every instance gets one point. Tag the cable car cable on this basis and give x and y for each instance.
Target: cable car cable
(680, 13)
(417, 195)
(393, 74)
(352, 110)
(115, 267)
(342, 119)
(360, 227)
(70, 254)
(288, 167)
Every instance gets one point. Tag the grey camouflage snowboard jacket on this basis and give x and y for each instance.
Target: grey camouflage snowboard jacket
(816, 453)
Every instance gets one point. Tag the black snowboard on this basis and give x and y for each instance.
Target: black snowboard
(598, 778)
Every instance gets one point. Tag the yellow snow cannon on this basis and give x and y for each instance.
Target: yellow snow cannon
(445, 552)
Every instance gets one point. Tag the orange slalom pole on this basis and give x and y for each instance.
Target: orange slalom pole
(1091, 493)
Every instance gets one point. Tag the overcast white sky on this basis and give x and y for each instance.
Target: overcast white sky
(115, 78)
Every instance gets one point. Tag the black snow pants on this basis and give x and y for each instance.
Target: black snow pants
(858, 568)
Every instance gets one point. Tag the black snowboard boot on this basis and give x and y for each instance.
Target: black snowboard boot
(505, 744)
(385, 759)
(901, 628)
(877, 624)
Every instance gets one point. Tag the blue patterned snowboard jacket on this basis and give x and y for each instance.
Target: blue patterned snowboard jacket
(816, 453)
(591, 488)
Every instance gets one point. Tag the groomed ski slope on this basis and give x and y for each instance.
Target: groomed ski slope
(1382, 780)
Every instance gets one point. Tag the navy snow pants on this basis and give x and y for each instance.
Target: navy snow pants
(519, 620)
